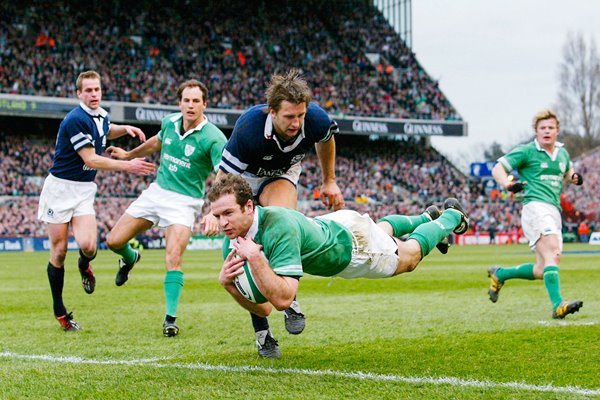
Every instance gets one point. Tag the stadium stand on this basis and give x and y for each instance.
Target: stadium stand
(356, 67)
(142, 56)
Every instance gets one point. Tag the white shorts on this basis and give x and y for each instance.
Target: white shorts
(539, 219)
(373, 251)
(164, 207)
(258, 183)
(61, 200)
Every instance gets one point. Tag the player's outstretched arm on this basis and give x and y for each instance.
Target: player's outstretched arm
(331, 195)
(136, 166)
(116, 131)
(151, 146)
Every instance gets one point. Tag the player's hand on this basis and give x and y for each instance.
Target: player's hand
(577, 178)
(209, 225)
(247, 248)
(139, 166)
(515, 186)
(331, 196)
(135, 132)
(232, 267)
(117, 152)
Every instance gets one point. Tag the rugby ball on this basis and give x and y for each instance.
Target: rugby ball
(245, 284)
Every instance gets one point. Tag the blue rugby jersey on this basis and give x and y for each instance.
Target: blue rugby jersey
(78, 129)
(253, 148)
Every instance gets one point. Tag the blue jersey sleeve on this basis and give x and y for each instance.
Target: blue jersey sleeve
(245, 141)
(318, 126)
(75, 131)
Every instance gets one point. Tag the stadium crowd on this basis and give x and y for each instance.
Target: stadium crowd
(378, 177)
(358, 67)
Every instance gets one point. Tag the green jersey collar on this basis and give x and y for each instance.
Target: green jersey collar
(177, 121)
(557, 146)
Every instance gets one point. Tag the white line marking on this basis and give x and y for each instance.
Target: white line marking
(310, 372)
(567, 323)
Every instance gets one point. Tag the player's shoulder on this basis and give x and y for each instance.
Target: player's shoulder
(318, 124)
(563, 150)
(171, 119)
(281, 218)
(77, 117)
(255, 113)
(317, 113)
(213, 133)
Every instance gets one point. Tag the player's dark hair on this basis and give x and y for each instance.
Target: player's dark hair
(193, 83)
(231, 184)
(290, 87)
(86, 75)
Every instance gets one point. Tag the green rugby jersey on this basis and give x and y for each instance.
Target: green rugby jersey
(294, 243)
(544, 173)
(187, 160)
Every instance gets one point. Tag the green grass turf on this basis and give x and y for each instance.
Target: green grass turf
(381, 339)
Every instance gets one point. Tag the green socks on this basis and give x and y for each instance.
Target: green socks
(173, 286)
(128, 254)
(552, 283)
(431, 233)
(524, 271)
(403, 224)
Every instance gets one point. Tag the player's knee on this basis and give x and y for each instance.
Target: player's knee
(58, 256)
(173, 261)
(112, 243)
(88, 247)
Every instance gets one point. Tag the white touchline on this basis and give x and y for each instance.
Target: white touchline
(153, 362)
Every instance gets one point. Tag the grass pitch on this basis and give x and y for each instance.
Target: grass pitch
(430, 334)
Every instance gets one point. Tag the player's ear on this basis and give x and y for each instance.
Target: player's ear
(249, 206)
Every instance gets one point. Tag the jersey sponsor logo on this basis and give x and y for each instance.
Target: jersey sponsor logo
(86, 168)
(177, 161)
(271, 172)
(297, 158)
(188, 150)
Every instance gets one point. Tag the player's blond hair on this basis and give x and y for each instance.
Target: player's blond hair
(543, 115)
(86, 75)
(290, 87)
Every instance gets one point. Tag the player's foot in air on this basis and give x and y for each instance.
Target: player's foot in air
(495, 284)
(433, 212)
(88, 280)
(67, 323)
(267, 345)
(443, 246)
(454, 204)
(565, 308)
(294, 319)
(124, 268)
